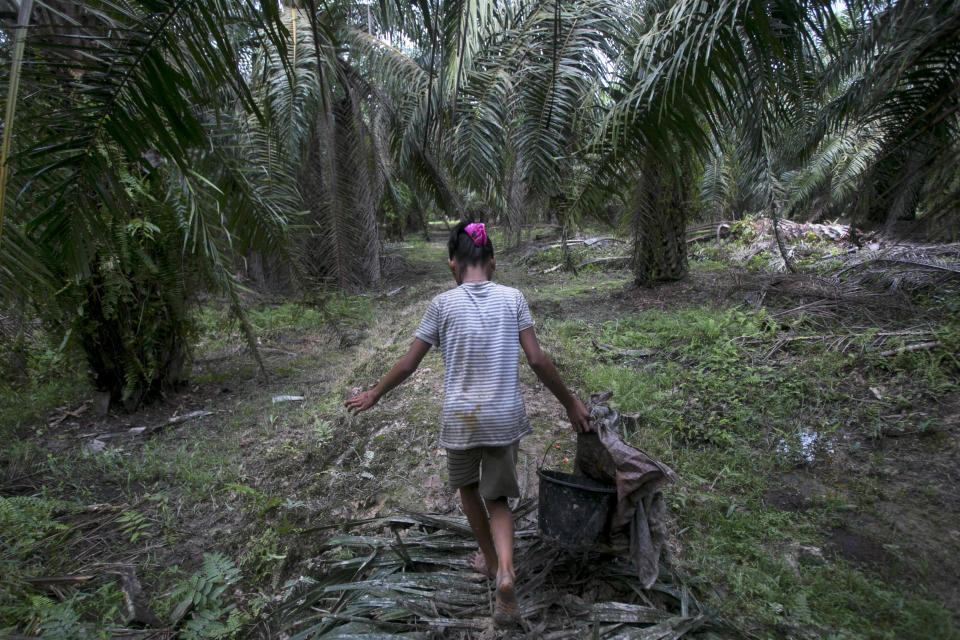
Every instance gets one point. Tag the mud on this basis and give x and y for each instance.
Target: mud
(857, 548)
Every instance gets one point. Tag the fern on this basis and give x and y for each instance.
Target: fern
(59, 621)
(202, 593)
(207, 624)
(134, 525)
(26, 519)
(132, 308)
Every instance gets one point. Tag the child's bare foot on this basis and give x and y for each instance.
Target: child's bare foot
(506, 611)
(478, 562)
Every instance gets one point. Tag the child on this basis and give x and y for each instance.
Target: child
(480, 327)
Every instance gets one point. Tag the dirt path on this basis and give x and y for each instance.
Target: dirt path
(423, 279)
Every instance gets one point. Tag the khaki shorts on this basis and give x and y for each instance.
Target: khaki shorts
(494, 469)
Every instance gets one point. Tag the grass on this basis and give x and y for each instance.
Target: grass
(729, 420)
(25, 402)
(218, 328)
(701, 386)
(757, 526)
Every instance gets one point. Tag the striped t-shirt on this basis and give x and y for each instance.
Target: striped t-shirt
(476, 326)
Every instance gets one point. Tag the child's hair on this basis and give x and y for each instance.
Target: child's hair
(465, 251)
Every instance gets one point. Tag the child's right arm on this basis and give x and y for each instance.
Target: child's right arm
(543, 367)
(400, 372)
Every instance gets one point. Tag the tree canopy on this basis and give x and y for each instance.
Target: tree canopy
(157, 146)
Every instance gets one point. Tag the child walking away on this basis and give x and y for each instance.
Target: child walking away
(480, 327)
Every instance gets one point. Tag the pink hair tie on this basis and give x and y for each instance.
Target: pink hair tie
(477, 233)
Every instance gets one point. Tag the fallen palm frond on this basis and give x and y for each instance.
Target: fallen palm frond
(902, 267)
(790, 230)
(815, 295)
(598, 241)
(409, 578)
(709, 231)
(609, 260)
(920, 346)
(617, 352)
(589, 242)
(860, 279)
(99, 441)
(910, 340)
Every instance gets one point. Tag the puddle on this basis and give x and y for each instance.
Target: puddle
(809, 446)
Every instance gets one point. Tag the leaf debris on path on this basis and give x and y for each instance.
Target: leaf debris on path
(412, 580)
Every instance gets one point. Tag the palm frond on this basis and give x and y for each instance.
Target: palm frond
(13, 87)
(132, 80)
(416, 585)
(897, 70)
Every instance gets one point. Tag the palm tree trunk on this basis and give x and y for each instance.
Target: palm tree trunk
(19, 39)
(659, 217)
(776, 234)
(338, 190)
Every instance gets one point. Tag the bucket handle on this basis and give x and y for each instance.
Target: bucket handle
(550, 446)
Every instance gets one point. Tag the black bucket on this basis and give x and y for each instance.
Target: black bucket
(574, 510)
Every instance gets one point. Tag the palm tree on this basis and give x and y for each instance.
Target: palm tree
(158, 146)
(895, 80)
(696, 77)
(533, 102)
(842, 110)
(482, 96)
(126, 184)
(871, 133)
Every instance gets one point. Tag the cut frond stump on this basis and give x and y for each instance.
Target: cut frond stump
(408, 577)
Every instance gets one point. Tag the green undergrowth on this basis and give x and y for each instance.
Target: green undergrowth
(580, 256)
(218, 327)
(190, 512)
(217, 513)
(41, 536)
(37, 375)
(732, 415)
(569, 288)
(26, 402)
(249, 484)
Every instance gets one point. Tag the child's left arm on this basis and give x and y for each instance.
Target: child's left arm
(543, 367)
(400, 372)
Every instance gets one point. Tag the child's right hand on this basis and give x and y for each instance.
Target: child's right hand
(579, 416)
(361, 402)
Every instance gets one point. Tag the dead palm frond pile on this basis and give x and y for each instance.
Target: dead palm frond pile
(902, 267)
(406, 576)
(789, 230)
(856, 259)
(840, 269)
(758, 238)
(884, 276)
(789, 294)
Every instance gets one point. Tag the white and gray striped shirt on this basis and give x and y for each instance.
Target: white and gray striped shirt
(476, 326)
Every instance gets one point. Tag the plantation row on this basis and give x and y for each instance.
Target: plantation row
(152, 152)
